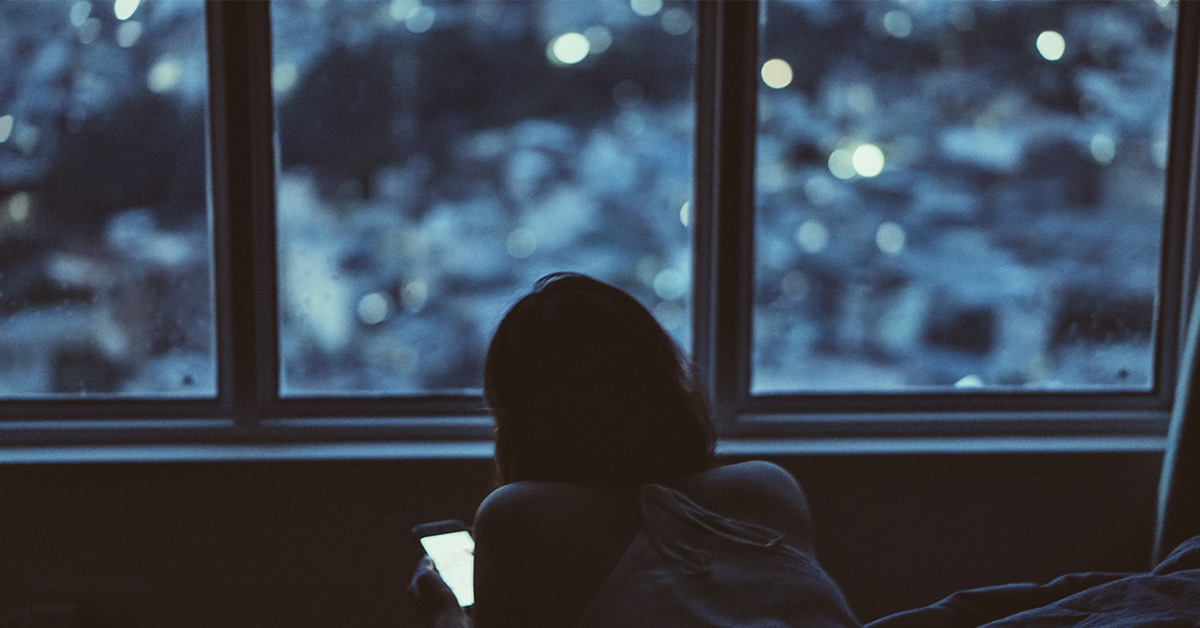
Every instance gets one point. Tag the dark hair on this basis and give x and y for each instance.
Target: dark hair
(585, 386)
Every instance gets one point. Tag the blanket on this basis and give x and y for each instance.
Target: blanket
(1167, 597)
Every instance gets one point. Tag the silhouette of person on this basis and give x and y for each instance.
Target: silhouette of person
(611, 511)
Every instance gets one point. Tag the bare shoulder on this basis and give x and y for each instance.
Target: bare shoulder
(756, 478)
(529, 506)
(757, 491)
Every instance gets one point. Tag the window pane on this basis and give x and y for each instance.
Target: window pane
(960, 194)
(104, 249)
(438, 157)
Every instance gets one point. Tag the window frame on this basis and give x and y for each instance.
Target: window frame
(248, 409)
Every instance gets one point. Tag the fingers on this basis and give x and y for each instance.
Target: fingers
(431, 593)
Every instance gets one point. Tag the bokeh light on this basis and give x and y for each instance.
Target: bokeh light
(599, 38)
(646, 8)
(840, 164)
(373, 308)
(890, 238)
(6, 127)
(124, 9)
(80, 12)
(19, 207)
(1103, 148)
(897, 23)
(521, 243)
(419, 19)
(1051, 45)
(676, 21)
(569, 48)
(777, 73)
(670, 284)
(812, 236)
(284, 77)
(867, 160)
(414, 296)
(128, 33)
(685, 213)
(164, 76)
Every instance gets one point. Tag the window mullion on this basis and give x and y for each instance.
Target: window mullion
(243, 181)
(726, 123)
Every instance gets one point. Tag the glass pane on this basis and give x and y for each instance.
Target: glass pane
(439, 157)
(960, 194)
(105, 257)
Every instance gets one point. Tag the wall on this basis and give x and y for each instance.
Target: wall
(325, 543)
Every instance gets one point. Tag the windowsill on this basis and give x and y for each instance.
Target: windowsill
(479, 450)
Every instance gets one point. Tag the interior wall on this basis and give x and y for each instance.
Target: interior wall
(326, 543)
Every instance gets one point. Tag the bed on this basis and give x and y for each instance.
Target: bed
(1166, 596)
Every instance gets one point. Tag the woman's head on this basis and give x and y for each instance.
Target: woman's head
(585, 386)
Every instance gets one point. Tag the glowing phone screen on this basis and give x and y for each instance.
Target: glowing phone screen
(453, 555)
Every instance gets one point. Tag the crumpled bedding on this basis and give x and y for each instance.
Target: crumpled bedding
(1167, 597)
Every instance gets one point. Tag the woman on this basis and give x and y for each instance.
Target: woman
(611, 512)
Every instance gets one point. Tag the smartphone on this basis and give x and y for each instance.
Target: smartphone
(451, 547)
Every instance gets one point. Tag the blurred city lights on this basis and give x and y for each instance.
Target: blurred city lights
(867, 160)
(419, 19)
(283, 77)
(646, 8)
(1104, 149)
(19, 206)
(27, 138)
(970, 381)
(373, 308)
(399, 10)
(89, 30)
(897, 23)
(670, 284)
(889, 237)
(1158, 152)
(670, 314)
(1051, 45)
(164, 76)
(777, 73)
(6, 127)
(599, 38)
(128, 33)
(812, 236)
(840, 164)
(676, 21)
(521, 242)
(414, 295)
(80, 12)
(647, 267)
(124, 9)
(569, 48)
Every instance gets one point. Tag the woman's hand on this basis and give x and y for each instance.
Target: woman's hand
(436, 603)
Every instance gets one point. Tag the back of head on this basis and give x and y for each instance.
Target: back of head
(585, 386)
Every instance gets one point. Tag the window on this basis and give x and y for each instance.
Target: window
(858, 218)
(436, 159)
(105, 273)
(961, 195)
